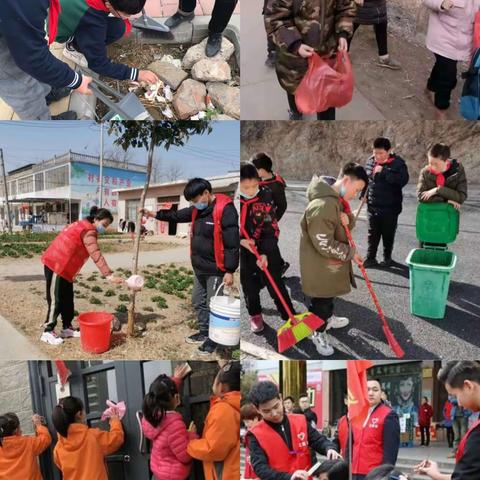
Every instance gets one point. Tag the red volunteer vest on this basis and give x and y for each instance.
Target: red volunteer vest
(343, 434)
(53, 14)
(276, 178)
(67, 254)
(463, 442)
(280, 458)
(369, 439)
(249, 472)
(221, 201)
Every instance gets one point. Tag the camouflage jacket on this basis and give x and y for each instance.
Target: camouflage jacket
(318, 23)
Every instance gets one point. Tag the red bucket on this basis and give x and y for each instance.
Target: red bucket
(95, 330)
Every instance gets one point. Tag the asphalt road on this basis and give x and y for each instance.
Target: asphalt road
(456, 336)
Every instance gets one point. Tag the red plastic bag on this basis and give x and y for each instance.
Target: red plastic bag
(476, 31)
(327, 83)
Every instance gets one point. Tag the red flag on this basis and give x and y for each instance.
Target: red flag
(357, 391)
(62, 371)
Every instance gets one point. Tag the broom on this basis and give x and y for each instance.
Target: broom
(392, 341)
(297, 327)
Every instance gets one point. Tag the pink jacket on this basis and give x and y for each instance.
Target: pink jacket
(450, 33)
(169, 458)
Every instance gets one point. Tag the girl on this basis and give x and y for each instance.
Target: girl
(62, 260)
(302, 27)
(165, 428)
(450, 39)
(250, 417)
(332, 470)
(18, 453)
(80, 451)
(219, 447)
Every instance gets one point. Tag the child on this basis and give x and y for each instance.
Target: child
(324, 249)
(18, 453)
(80, 451)
(219, 447)
(250, 417)
(332, 470)
(89, 26)
(214, 248)
(165, 428)
(258, 219)
(450, 39)
(443, 179)
(299, 29)
(63, 260)
(271, 55)
(30, 75)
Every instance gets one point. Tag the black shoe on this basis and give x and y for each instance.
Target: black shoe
(387, 263)
(214, 44)
(196, 338)
(69, 115)
(57, 94)
(271, 59)
(370, 262)
(207, 347)
(177, 18)
(285, 267)
(294, 115)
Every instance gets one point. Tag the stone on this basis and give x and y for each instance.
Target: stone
(222, 116)
(209, 70)
(197, 52)
(168, 73)
(225, 98)
(189, 99)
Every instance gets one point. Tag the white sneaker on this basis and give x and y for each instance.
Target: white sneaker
(76, 57)
(70, 333)
(51, 337)
(320, 340)
(337, 322)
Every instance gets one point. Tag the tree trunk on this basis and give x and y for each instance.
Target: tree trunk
(136, 245)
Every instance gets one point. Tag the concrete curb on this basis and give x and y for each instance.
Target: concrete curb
(260, 352)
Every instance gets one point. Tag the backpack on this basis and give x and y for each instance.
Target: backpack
(470, 101)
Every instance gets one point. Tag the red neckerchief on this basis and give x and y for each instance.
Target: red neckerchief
(440, 177)
(346, 206)
(53, 14)
(100, 5)
(390, 159)
(275, 178)
(243, 214)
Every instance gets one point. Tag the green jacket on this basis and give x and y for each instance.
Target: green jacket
(325, 255)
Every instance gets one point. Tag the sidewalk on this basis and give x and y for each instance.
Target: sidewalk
(165, 8)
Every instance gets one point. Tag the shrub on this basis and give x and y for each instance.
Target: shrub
(121, 308)
(96, 288)
(110, 293)
(95, 301)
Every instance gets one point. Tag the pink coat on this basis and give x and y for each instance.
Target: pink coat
(169, 458)
(450, 33)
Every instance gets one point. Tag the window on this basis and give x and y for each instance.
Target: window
(12, 188)
(39, 180)
(25, 185)
(56, 178)
(151, 370)
(100, 387)
(132, 210)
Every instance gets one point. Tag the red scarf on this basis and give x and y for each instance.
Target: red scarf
(386, 162)
(346, 206)
(53, 14)
(100, 5)
(440, 177)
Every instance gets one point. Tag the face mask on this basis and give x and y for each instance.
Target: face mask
(200, 205)
(249, 197)
(342, 191)
(100, 228)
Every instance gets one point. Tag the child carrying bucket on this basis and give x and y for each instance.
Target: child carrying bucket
(63, 260)
(80, 451)
(165, 428)
(18, 453)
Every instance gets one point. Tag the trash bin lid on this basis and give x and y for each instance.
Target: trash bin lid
(437, 223)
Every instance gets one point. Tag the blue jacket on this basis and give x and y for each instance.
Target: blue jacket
(22, 25)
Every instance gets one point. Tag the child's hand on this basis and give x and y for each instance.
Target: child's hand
(247, 244)
(147, 213)
(342, 44)
(37, 420)
(192, 427)
(377, 169)
(344, 219)
(83, 88)
(299, 475)
(147, 76)
(228, 279)
(305, 51)
(456, 205)
(447, 5)
(181, 371)
(114, 416)
(262, 264)
(115, 280)
(429, 193)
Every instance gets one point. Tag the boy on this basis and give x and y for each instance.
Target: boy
(31, 77)
(461, 379)
(258, 219)
(280, 443)
(325, 254)
(388, 174)
(250, 417)
(263, 163)
(214, 248)
(443, 179)
(271, 56)
(89, 26)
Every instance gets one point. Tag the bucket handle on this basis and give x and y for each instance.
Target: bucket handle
(222, 285)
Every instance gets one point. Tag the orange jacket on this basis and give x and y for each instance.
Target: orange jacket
(18, 455)
(80, 456)
(219, 447)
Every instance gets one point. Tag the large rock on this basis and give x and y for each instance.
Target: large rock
(209, 70)
(197, 52)
(225, 98)
(189, 99)
(168, 73)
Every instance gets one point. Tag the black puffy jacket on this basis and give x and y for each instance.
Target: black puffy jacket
(372, 12)
(385, 188)
(203, 254)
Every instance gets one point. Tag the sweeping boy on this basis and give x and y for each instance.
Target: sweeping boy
(89, 26)
(324, 249)
(214, 250)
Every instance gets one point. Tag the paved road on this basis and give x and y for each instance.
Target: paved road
(455, 336)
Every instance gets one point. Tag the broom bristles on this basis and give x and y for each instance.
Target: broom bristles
(285, 339)
(392, 341)
(289, 334)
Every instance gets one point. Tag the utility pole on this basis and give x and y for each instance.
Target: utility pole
(6, 191)
(101, 165)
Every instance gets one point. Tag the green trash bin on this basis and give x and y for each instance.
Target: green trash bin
(437, 225)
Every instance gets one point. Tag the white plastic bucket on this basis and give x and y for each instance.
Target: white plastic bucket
(224, 327)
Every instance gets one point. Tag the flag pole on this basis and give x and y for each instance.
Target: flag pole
(350, 445)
